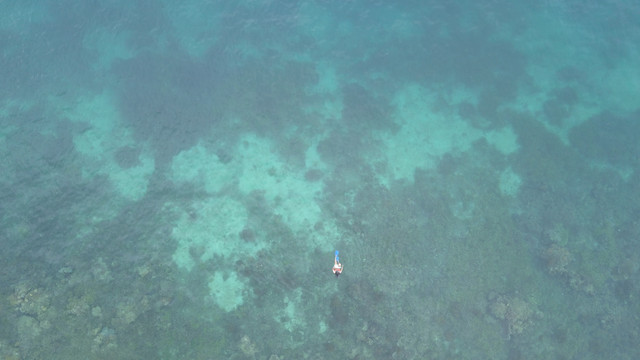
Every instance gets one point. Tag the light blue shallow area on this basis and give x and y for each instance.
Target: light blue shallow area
(176, 177)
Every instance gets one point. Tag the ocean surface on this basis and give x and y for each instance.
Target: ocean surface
(175, 177)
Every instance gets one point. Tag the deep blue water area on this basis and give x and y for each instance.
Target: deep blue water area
(175, 177)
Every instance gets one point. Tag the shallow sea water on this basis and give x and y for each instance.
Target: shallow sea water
(175, 177)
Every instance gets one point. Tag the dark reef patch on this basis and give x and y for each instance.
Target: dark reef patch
(560, 105)
(624, 290)
(313, 175)
(168, 99)
(127, 157)
(555, 111)
(224, 155)
(247, 234)
(609, 138)
(362, 110)
(570, 74)
(467, 110)
(344, 149)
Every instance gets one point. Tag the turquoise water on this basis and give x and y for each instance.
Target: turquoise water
(176, 175)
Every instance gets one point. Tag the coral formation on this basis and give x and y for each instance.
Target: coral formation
(248, 347)
(104, 339)
(29, 301)
(78, 306)
(128, 311)
(515, 313)
(557, 258)
(9, 352)
(28, 329)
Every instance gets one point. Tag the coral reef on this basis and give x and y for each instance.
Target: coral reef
(104, 339)
(78, 306)
(29, 300)
(515, 313)
(558, 234)
(557, 260)
(29, 330)
(248, 347)
(9, 352)
(129, 310)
